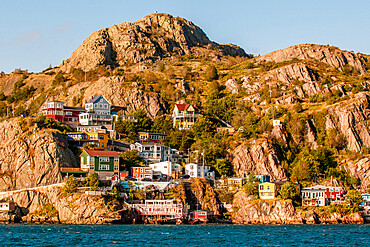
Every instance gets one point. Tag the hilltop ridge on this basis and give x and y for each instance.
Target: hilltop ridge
(148, 39)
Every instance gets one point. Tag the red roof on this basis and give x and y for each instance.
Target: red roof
(183, 107)
(102, 153)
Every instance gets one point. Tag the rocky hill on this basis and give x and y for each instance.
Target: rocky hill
(149, 39)
(326, 54)
(31, 157)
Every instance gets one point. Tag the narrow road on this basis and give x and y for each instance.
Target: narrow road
(34, 188)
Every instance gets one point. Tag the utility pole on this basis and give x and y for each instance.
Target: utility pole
(85, 69)
(203, 165)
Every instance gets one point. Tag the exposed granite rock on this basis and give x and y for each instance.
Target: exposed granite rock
(291, 72)
(148, 39)
(202, 193)
(350, 119)
(278, 211)
(280, 134)
(263, 211)
(258, 157)
(310, 134)
(131, 98)
(30, 157)
(72, 209)
(332, 56)
(232, 86)
(308, 89)
(361, 170)
(286, 100)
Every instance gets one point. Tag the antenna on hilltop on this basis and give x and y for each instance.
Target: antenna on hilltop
(85, 69)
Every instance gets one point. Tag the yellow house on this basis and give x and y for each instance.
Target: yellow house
(100, 140)
(267, 190)
(184, 116)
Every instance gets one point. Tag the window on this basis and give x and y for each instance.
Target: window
(146, 148)
(92, 159)
(261, 187)
(116, 159)
(268, 187)
(116, 168)
(92, 167)
(104, 159)
(104, 167)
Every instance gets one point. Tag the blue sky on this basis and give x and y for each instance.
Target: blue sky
(34, 34)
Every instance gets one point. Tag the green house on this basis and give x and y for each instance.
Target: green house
(104, 163)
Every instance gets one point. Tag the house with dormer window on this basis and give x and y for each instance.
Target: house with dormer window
(184, 116)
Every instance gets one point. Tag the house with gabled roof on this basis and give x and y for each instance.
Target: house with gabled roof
(184, 116)
(98, 112)
(104, 163)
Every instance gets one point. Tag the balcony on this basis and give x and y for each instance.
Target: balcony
(182, 115)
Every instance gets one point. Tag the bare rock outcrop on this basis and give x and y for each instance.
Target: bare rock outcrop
(232, 86)
(31, 157)
(130, 98)
(151, 38)
(350, 119)
(50, 205)
(263, 211)
(278, 211)
(202, 194)
(291, 72)
(332, 56)
(361, 170)
(258, 157)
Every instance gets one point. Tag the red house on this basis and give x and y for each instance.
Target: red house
(334, 194)
(201, 215)
(71, 113)
(54, 109)
(61, 113)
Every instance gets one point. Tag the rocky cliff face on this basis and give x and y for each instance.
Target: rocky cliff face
(326, 54)
(263, 212)
(361, 170)
(277, 211)
(130, 98)
(350, 119)
(50, 205)
(31, 157)
(202, 194)
(259, 157)
(148, 39)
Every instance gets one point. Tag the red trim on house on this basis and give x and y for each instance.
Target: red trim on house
(102, 153)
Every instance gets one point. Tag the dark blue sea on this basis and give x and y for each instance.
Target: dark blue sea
(184, 235)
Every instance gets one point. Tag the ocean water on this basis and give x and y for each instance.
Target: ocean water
(184, 235)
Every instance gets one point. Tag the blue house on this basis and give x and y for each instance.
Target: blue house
(98, 112)
(263, 178)
(366, 202)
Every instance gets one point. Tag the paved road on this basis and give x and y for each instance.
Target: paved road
(34, 188)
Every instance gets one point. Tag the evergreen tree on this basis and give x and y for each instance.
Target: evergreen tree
(70, 185)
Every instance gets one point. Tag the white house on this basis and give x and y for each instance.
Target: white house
(314, 196)
(154, 152)
(198, 170)
(7, 206)
(165, 168)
